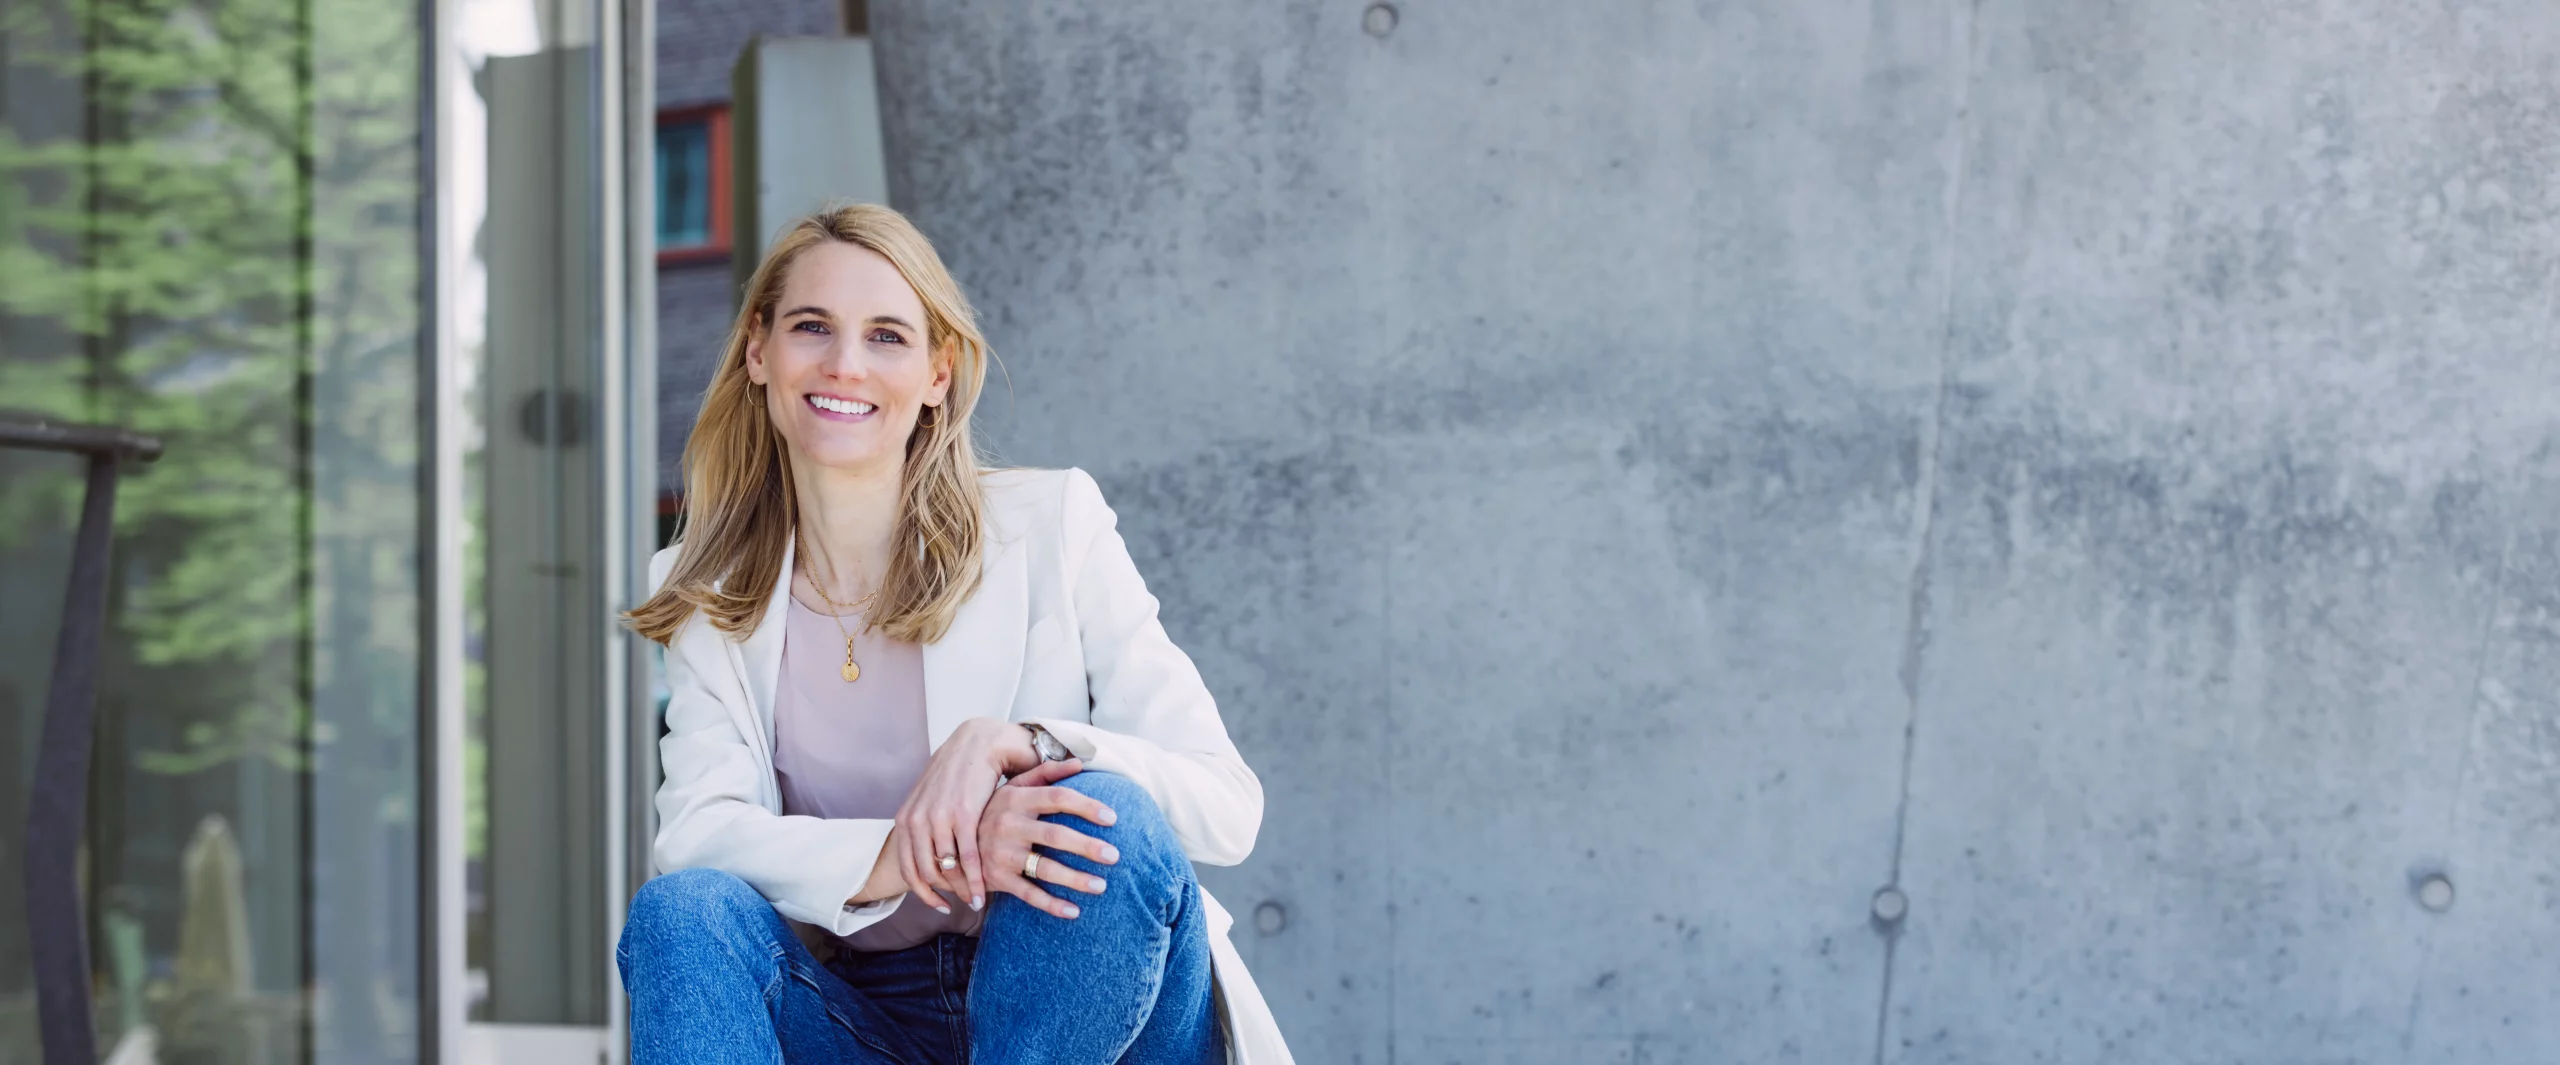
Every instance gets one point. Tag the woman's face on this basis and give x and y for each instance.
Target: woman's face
(845, 365)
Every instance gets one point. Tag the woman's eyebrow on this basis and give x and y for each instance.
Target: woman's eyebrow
(819, 311)
(890, 319)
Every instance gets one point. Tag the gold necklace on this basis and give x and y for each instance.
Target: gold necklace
(852, 670)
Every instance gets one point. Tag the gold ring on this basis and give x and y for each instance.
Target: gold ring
(1031, 866)
(948, 862)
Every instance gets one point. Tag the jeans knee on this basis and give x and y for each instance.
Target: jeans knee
(1138, 829)
(690, 903)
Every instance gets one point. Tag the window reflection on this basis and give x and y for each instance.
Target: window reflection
(526, 223)
(208, 232)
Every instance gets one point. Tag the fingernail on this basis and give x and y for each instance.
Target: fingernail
(1110, 853)
(1099, 884)
(977, 902)
(1072, 911)
(946, 910)
(1108, 817)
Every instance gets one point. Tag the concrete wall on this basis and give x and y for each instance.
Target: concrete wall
(1643, 477)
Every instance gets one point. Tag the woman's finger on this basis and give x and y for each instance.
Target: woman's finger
(920, 856)
(905, 841)
(1012, 882)
(965, 837)
(1068, 876)
(1047, 773)
(1057, 800)
(946, 843)
(1059, 837)
(896, 851)
(907, 871)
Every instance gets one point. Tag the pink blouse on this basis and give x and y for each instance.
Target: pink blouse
(852, 750)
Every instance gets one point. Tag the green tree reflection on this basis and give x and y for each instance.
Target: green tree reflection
(225, 259)
(214, 238)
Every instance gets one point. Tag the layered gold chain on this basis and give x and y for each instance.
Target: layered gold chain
(852, 670)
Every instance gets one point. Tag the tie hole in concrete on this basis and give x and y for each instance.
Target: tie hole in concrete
(1379, 20)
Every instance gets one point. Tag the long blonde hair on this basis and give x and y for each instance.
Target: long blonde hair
(739, 508)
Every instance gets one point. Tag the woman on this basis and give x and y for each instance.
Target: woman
(866, 637)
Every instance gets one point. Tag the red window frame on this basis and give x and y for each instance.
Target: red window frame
(716, 117)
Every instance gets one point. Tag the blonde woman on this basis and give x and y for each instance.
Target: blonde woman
(935, 776)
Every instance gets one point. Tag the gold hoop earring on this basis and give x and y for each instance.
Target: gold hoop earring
(931, 424)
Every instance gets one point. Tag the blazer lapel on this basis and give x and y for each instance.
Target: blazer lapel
(973, 669)
(762, 651)
(971, 672)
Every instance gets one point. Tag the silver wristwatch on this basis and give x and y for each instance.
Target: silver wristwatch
(1051, 748)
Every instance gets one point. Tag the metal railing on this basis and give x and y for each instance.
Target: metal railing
(57, 933)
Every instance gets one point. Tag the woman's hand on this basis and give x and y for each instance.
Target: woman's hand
(1012, 824)
(949, 798)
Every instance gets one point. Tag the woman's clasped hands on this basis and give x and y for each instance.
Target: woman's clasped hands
(963, 787)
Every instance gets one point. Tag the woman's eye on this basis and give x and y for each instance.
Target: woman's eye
(811, 326)
(885, 336)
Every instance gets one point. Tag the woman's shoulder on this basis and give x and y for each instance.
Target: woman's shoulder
(661, 564)
(1026, 500)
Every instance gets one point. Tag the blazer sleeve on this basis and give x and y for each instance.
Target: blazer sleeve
(711, 808)
(1153, 721)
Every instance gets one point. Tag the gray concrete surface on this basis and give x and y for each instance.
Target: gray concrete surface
(1643, 477)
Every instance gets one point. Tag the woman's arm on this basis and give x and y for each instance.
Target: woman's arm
(1153, 720)
(887, 880)
(711, 814)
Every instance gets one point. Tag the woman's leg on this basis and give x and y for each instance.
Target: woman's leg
(1127, 980)
(715, 976)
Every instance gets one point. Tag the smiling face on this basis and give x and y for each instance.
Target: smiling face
(845, 363)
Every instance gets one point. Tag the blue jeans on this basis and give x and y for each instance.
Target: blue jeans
(715, 975)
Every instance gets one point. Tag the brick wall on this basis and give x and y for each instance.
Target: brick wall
(694, 305)
(698, 40)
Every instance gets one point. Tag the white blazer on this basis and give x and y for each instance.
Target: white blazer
(1061, 631)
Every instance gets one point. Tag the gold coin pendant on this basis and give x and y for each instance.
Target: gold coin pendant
(852, 672)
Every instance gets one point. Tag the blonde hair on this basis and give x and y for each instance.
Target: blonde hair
(739, 508)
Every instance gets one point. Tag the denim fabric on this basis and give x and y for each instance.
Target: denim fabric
(715, 975)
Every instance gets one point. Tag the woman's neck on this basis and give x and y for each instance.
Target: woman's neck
(848, 518)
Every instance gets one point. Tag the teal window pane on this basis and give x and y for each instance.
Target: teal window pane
(684, 184)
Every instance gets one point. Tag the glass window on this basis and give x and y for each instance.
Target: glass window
(684, 183)
(209, 232)
(528, 339)
(693, 184)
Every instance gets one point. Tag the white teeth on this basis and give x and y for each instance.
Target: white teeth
(839, 406)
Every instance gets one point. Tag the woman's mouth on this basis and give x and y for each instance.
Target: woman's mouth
(843, 410)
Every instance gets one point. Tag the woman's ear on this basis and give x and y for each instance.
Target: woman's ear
(943, 359)
(755, 352)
